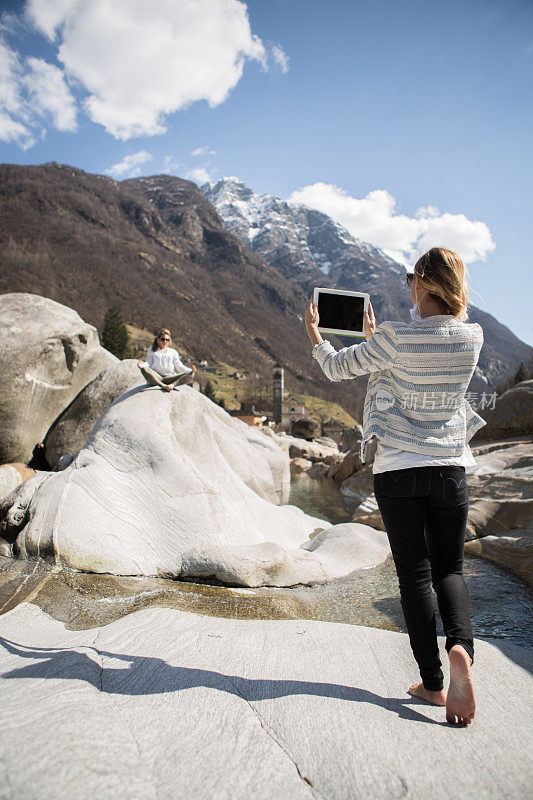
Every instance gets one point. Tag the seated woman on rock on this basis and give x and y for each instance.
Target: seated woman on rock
(416, 408)
(163, 366)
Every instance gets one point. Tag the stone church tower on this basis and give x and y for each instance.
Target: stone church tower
(277, 393)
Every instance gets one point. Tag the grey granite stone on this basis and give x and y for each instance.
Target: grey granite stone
(170, 704)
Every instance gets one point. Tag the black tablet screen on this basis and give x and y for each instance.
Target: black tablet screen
(341, 311)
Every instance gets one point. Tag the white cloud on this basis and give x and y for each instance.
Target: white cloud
(49, 93)
(130, 166)
(198, 175)
(13, 131)
(29, 90)
(171, 165)
(141, 61)
(280, 58)
(10, 80)
(49, 15)
(203, 151)
(374, 219)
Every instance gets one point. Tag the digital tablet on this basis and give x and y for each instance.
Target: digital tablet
(341, 312)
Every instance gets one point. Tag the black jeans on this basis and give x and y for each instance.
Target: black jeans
(424, 511)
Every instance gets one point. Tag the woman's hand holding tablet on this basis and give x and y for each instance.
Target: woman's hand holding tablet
(370, 322)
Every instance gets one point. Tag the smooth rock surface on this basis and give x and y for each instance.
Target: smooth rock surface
(11, 476)
(513, 550)
(170, 704)
(72, 429)
(512, 414)
(315, 450)
(169, 484)
(299, 465)
(501, 489)
(47, 355)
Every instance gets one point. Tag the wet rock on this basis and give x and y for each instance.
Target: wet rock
(513, 550)
(318, 470)
(47, 355)
(512, 414)
(72, 429)
(169, 484)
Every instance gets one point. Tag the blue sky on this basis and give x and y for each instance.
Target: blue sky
(409, 122)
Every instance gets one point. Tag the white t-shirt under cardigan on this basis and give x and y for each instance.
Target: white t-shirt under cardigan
(421, 370)
(167, 362)
(388, 458)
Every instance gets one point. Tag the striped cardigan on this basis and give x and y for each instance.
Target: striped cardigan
(419, 373)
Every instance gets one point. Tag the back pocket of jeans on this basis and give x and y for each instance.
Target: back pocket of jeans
(398, 483)
(454, 486)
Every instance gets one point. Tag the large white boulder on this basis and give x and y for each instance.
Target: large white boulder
(316, 450)
(71, 430)
(47, 355)
(11, 476)
(170, 484)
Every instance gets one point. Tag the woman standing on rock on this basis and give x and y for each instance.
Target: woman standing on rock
(416, 408)
(163, 366)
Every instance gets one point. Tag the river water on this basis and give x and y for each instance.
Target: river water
(502, 605)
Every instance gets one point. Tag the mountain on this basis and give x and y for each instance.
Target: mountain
(159, 249)
(227, 270)
(310, 249)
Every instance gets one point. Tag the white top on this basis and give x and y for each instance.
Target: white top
(388, 458)
(167, 362)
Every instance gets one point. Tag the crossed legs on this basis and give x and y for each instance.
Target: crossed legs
(166, 382)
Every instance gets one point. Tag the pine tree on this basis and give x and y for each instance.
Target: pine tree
(209, 391)
(115, 336)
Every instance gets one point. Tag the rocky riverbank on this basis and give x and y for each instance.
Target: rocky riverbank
(273, 665)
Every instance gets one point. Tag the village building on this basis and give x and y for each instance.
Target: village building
(291, 409)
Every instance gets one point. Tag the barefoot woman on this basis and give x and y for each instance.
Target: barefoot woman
(163, 366)
(422, 369)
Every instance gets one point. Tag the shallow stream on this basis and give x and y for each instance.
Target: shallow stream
(502, 605)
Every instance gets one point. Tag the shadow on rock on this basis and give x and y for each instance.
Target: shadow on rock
(148, 675)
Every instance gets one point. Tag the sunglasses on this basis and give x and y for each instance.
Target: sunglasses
(164, 339)
(409, 278)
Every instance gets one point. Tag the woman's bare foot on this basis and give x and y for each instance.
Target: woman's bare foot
(461, 702)
(435, 698)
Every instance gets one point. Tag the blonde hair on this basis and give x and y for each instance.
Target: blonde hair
(443, 275)
(160, 332)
